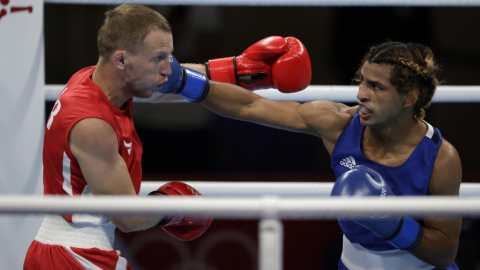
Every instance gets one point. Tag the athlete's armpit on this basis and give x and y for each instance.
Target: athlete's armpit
(328, 119)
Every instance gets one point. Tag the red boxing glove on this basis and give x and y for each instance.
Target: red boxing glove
(179, 226)
(273, 62)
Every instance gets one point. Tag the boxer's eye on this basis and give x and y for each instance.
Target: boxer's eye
(160, 58)
(376, 86)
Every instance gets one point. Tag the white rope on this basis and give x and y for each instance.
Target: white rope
(459, 3)
(244, 208)
(337, 93)
(281, 189)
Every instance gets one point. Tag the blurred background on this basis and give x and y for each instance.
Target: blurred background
(187, 142)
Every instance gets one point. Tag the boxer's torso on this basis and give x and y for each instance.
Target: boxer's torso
(80, 99)
(410, 178)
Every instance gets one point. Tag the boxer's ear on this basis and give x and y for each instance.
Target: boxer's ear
(119, 58)
(411, 97)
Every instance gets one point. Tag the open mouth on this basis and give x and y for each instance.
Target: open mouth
(364, 111)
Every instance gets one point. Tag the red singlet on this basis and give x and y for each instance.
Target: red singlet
(77, 234)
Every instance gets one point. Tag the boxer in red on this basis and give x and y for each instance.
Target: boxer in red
(91, 147)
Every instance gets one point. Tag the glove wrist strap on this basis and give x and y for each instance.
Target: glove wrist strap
(166, 219)
(223, 70)
(409, 235)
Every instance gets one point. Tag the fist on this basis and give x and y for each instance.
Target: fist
(273, 62)
(402, 232)
(184, 228)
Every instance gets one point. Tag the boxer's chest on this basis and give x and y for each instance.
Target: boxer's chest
(392, 157)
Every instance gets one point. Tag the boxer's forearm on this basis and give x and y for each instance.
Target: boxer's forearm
(235, 102)
(436, 247)
(230, 100)
(135, 223)
(197, 67)
(227, 99)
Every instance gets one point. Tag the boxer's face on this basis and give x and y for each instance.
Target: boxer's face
(149, 67)
(380, 104)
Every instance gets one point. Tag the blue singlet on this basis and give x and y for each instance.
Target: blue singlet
(409, 179)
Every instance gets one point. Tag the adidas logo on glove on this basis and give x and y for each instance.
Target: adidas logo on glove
(348, 162)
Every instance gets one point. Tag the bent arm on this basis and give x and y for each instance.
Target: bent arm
(439, 244)
(94, 144)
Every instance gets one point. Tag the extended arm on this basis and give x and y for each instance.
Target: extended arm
(441, 235)
(256, 71)
(321, 118)
(238, 103)
(94, 144)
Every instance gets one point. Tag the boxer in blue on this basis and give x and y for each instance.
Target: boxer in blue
(384, 138)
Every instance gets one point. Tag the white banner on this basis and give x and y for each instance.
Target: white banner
(22, 120)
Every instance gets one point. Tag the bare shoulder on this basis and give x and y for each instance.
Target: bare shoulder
(94, 144)
(327, 118)
(93, 137)
(447, 171)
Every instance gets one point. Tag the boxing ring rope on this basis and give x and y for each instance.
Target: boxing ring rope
(268, 206)
(279, 189)
(245, 208)
(462, 3)
(337, 93)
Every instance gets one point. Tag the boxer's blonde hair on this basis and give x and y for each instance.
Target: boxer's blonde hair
(126, 27)
(413, 66)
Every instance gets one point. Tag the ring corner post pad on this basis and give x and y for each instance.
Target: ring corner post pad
(270, 244)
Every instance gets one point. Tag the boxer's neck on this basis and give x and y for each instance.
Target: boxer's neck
(392, 146)
(110, 82)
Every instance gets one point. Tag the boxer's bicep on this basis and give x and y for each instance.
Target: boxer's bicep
(445, 181)
(94, 144)
(447, 172)
(441, 235)
(320, 118)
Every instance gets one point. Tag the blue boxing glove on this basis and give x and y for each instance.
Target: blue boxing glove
(403, 232)
(187, 83)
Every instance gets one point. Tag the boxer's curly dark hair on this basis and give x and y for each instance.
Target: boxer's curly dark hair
(126, 27)
(413, 66)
